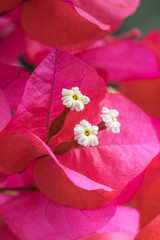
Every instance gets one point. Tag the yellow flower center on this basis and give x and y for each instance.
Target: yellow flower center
(112, 119)
(75, 97)
(87, 133)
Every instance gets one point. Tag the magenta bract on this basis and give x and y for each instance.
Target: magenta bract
(92, 176)
(123, 60)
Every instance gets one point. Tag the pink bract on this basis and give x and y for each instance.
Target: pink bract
(8, 4)
(122, 226)
(11, 79)
(6, 234)
(123, 60)
(12, 37)
(103, 13)
(82, 178)
(150, 231)
(5, 117)
(148, 194)
(5, 112)
(49, 25)
(32, 216)
(110, 236)
(87, 20)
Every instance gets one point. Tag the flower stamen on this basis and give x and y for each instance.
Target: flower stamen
(75, 97)
(86, 133)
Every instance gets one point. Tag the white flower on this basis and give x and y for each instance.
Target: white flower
(74, 99)
(110, 119)
(85, 134)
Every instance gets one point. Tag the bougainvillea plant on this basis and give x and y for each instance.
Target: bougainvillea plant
(84, 144)
(76, 157)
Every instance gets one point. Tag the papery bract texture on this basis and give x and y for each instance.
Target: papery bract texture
(6, 233)
(92, 176)
(147, 198)
(12, 43)
(9, 4)
(41, 101)
(123, 225)
(49, 20)
(123, 60)
(12, 82)
(12, 36)
(2, 177)
(5, 112)
(35, 52)
(117, 159)
(146, 93)
(152, 40)
(121, 221)
(108, 11)
(110, 236)
(150, 231)
(32, 216)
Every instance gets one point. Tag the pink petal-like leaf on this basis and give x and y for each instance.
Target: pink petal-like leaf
(5, 112)
(110, 236)
(69, 187)
(106, 12)
(123, 60)
(11, 79)
(56, 23)
(119, 157)
(19, 148)
(150, 231)
(9, 4)
(32, 216)
(125, 219)
(152, 40)
(3, 177)
(41, 101)
(6, 233)
(12, 43)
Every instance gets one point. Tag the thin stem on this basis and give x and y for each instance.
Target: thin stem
(19, 189)
(101, 126)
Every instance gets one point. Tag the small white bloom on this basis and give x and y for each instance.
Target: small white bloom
(110, 119)
(85, 134)
(74, 99)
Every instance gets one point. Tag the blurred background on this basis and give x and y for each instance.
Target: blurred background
(145, 93)
(146, 18)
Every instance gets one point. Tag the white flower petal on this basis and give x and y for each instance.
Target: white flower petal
(77, 99)
(110, 120)
(85, 134)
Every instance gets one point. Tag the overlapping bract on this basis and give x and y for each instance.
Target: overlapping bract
(83, 186)
(92, 177)
(122, 60)
(146, 93)
(71, 24)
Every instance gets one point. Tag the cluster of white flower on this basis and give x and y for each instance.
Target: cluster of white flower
(84, 132)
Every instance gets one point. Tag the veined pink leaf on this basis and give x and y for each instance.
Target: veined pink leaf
(32, 216)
